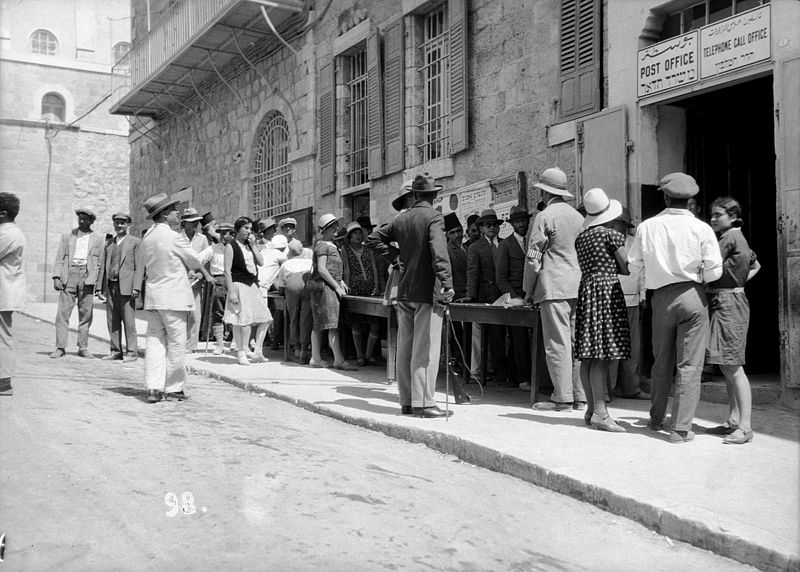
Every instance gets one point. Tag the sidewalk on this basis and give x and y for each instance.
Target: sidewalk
(742, 502)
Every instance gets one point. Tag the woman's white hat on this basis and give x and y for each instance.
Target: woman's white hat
(326, 220)
(599, 208)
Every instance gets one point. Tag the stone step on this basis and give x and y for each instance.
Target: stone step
(714, 391)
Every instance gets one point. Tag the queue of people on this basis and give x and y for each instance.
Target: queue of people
(587, 276)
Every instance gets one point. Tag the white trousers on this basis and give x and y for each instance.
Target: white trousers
(165, 353)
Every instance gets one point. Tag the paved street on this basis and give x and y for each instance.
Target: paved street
(86, 464)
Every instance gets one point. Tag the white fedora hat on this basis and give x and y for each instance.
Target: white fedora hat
(599, 208)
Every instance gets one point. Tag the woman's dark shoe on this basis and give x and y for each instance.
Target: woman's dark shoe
(406, 409)
(607, 424)
(721, 430)
(179, 395)
(738, 437)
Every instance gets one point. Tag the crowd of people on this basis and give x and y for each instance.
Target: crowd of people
(586, 271)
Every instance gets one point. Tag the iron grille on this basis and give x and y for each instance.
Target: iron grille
(358, 172)
(435, 58)
(272, 188)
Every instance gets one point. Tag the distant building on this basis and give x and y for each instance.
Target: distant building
(55, 66)
(352, 97)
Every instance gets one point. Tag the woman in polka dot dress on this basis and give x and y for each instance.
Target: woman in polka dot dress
(601, 326)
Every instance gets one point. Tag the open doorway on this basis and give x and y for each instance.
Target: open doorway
(730, 151)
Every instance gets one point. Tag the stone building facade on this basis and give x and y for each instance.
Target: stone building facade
(352, 98)
(55, 66)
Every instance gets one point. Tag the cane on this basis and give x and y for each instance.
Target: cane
(447, 364)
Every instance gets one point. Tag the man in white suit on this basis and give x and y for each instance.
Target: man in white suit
(162, 262)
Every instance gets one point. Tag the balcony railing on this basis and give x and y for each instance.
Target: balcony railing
(174, 30)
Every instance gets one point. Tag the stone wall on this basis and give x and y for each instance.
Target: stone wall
(87, 168)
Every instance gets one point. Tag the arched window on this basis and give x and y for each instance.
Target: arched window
(53, 107)
(272, 181)
(44, 42)
(120, 49)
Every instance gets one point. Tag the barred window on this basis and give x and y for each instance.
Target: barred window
(704, 13)
(358, 170)
(119, 50)
(272, 188)
(435, 62)
(44, 42)
(53, 107)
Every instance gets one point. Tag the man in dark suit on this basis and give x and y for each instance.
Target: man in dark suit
(74, 276)
(510, 269)
(115, 285)
(458, 264)
(426, 278)
(482, 287)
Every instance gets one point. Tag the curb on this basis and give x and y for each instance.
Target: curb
(662, 521)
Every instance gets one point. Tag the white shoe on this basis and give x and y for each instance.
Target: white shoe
(242, 359)
(258, 358)
(218, 351)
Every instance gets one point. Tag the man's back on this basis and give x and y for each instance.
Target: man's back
(674, 246)
(164, 257)
(555, 229)
(423, 252)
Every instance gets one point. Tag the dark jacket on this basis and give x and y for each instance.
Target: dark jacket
(127, 265)
(66, 250)
(510, 265)
(481, 274)
(458, 263)
(422, 254)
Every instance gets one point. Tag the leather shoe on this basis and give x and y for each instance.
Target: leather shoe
(114, 356)
(681, 436)
(607, 424)
(430, 412)
(721, 430)
(57, 353)
(130, 357)
(179, 395)
(579, 405)
(85, 353)
(552, 406)
(153, 396)
(406, 409)
(656, 425)
(738, 437)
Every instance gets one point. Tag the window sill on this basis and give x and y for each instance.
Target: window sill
(357, 189)
(436, 168)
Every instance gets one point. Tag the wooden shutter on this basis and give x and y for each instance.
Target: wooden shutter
(602, 153)
(327, 129)
(394, 124)
(580, 57)
(374, 106)
(787, 139)
(459, 105)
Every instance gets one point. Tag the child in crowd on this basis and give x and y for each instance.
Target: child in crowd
(626, 372)
(730, 317)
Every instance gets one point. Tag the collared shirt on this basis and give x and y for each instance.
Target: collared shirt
(214, 256)
(632, 286)
(273, 258)
(493, 241)
(81, 254)
(118, 239)
(673, 247)
(520, 240)
(199, 241)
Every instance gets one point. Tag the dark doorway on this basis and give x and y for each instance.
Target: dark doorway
(730, 150)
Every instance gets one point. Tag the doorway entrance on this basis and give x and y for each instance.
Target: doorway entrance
(730, 151)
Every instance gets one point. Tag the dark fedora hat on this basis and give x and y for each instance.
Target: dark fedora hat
(451, 222)
(365, 222)
(488, 215)
(158, 203)
(207, 218)
(424, 183)
(472, 218)
(518, 212)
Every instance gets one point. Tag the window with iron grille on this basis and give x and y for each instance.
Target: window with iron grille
(53, 107)
(358, 157)
(272, 181)
(435, 63)
(119, 50)
(44, 42)
(704, 13)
